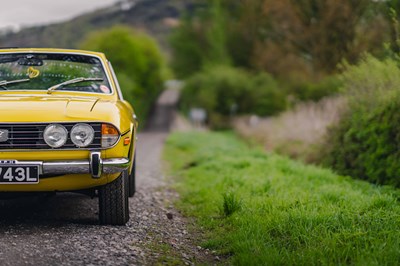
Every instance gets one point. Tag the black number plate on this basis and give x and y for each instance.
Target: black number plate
(19, 174)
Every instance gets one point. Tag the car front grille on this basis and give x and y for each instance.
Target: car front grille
(30, 136)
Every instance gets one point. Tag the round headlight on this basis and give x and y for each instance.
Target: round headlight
(82, 135)
(55, 135)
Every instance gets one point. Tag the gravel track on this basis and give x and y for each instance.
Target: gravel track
(64, 229)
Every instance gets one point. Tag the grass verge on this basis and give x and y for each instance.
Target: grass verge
(262, 209)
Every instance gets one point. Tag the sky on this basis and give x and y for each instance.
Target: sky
(20, 13)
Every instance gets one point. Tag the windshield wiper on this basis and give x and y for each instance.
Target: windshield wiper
(8, 82)
(69, 82)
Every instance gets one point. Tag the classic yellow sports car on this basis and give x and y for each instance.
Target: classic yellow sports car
(64, 126)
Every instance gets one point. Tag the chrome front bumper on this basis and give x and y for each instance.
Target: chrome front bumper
(94, 166)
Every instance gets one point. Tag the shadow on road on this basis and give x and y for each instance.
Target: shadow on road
(45, 210)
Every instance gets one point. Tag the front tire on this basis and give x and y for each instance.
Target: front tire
(113, 201)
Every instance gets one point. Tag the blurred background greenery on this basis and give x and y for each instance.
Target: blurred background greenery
(316, 80)
(138, 63)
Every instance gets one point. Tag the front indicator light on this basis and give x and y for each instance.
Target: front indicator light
(55, 135)
(109, 135)
(82, 135)
(127, 141)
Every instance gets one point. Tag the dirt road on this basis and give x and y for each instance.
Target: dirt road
(64, 230)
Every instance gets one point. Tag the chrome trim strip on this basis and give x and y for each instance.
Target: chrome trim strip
(115, 165)
(120, 95)
(66, 167)
(108, 166)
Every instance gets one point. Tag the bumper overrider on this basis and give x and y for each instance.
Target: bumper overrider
(95, 166)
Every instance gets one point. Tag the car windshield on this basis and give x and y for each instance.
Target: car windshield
(41, 71)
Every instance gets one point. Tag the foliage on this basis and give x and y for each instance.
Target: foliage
(392, 9)
(291, 214)
(304, 90)
(300, 43)
(307, 38)
(137, 61)
(323, 31)
(187, 48)
(365, 143)
(200, 41)
(223, 91)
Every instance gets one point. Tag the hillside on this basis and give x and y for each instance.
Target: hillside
(156, 17)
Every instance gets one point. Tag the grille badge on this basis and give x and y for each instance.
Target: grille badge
(3, 135)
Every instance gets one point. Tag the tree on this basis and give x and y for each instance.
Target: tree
(321, 32)
(137, 61)
(201, 40)
(303, 38)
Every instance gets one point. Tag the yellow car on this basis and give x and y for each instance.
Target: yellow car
(64, 126)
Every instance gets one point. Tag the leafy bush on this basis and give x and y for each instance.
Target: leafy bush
(365, 144)
(314, 91)
(263, 96)
(224, 90)
(137, 61)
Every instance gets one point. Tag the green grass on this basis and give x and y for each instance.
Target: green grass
(262, 209)
(167, 256)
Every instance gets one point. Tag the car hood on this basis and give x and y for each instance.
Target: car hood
(55, 109)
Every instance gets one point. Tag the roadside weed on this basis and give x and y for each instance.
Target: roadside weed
(230, 203)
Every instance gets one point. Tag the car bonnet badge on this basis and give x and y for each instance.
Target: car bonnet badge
(3, 135)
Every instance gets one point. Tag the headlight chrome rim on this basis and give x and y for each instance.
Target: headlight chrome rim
(89, 140)
(59, 143)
